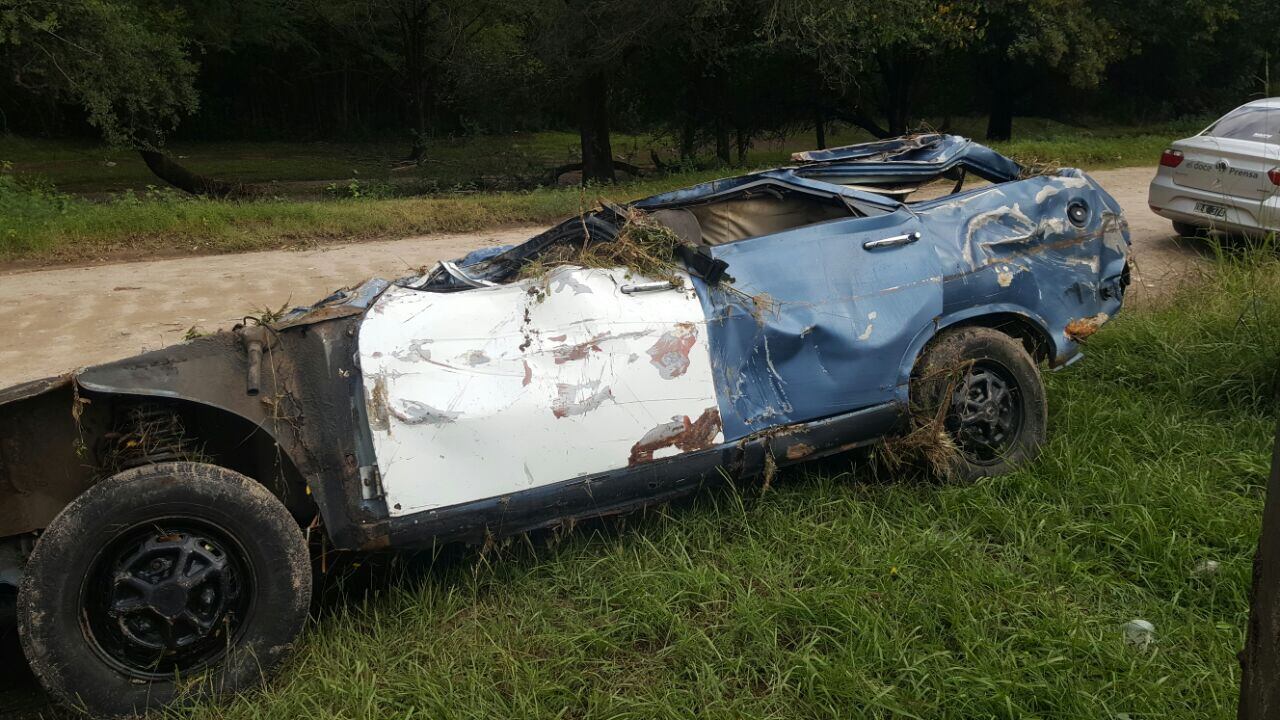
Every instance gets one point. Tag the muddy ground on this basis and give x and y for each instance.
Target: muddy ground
(55, 320)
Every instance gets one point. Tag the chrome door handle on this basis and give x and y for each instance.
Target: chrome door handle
(649, 287)
(892, 241)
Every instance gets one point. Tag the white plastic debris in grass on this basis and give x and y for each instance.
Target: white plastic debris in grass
(1139, 633)
(1205, 567)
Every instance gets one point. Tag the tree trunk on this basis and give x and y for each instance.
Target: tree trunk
(1004, 84)
(722, 142)
(859, 118)
(743, 141)
(820, 130)
(1260, 659)
(593, 129)
(688, 138)
(721, 119)
(693, 91)
(163, 167)
(899, 79)
(419, 95)
(1000, 121)
(414, 26)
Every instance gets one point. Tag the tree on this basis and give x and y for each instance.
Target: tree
(858, 44)
(1022, 39)
(714, 50)
(414, 41)
(584, 45)
(125, 63)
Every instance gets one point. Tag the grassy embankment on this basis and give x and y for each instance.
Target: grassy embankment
(837, 594)
(62, 201)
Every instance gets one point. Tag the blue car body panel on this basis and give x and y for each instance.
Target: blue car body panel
(1012, 248)
(814, 324)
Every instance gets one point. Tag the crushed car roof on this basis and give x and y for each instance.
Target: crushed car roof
(919, 156)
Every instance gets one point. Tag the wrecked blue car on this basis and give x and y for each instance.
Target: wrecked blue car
(155, 512)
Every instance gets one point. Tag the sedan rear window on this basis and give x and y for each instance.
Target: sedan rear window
(1259, 124)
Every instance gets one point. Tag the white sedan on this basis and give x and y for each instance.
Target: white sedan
(1227, 178)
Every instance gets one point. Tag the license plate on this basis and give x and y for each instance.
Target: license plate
(1211, 210)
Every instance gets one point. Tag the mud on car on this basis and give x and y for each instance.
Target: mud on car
(152, 510)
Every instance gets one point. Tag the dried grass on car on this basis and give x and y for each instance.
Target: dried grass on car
(927, 444)
(643, 246)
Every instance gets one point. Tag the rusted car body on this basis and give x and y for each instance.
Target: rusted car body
(467, 403)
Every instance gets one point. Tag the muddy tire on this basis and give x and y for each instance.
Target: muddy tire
(983, 390)
(162, 584)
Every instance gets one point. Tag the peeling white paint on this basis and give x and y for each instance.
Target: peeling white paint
(1059, 183)
(1054, 226)
(866, 334)
(480, 393)
(1006, 224)
(1047, 192)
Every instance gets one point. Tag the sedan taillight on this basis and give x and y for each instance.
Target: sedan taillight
(1274, 174)
(1171, 158)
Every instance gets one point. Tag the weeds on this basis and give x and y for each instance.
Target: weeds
(266, 315)
(356, 189)
(926, 445)
(27, 202)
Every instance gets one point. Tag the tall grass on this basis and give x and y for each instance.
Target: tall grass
(842, 594)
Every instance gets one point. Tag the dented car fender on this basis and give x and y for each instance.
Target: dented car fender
(1013, 319)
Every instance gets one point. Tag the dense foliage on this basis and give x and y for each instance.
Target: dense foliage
(711, 74)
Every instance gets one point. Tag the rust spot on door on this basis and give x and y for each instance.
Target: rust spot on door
(680, 433)
(670, 354)
(799, 450)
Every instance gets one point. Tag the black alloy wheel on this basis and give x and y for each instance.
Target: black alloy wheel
(167, 596)
(986, 412)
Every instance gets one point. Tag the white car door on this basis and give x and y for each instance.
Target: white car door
(495, 390)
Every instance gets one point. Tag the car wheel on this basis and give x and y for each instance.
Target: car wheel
(985, 390)
(1187, 230)
(164, 583)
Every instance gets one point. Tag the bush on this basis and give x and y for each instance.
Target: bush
(27, 204)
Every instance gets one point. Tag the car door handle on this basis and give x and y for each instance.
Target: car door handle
(894, 241)
(649, 287)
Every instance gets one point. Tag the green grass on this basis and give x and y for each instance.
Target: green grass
(837, 594)
(123, 215)
(50, 227)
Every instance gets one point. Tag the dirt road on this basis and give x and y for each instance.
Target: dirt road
(56, 320)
